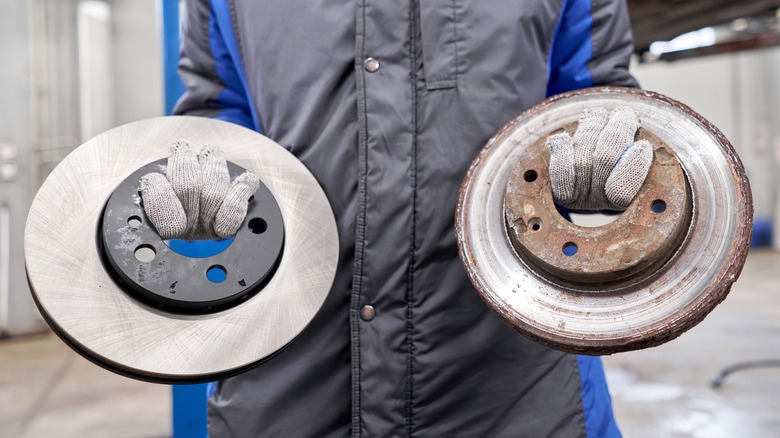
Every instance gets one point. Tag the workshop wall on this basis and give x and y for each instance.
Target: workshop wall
(138, 70)
(80, 67)
(737, 92)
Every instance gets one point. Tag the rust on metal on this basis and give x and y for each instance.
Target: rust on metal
(644, 236)
(664, 299)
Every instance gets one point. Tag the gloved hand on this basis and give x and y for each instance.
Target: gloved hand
(601, 168)
(196, 200)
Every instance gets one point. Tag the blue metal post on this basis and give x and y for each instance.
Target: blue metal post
(189, 401)
(189, 411)
(174, 88)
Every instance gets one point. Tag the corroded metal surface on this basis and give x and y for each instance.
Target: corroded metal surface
(651, 307)
(644, 236)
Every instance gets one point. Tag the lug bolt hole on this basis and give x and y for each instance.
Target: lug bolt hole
(257, 225)
(145, 253)
(134, 221)
(216, 274)
(535, 224)
(658, 206)
(530, 175)
(569, 249)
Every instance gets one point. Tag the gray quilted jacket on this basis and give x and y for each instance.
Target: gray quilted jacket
(387, 103)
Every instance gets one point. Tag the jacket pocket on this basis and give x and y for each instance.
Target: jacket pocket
(438, 26)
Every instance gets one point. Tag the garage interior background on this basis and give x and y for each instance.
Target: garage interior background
(76, 68)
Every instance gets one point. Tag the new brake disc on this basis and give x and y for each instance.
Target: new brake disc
(640, 281)
(135, 304)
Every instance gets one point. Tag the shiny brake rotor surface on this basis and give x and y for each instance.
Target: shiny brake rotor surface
(564, 305)
(85, 305)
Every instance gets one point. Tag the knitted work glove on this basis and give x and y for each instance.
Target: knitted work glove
(197, 199)
(601, 168)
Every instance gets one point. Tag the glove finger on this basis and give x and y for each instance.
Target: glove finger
(629, 174)
(613, 141)
(591, 123)
(162, 207)
(185, 177)
(561, 167)
(233, 210)
(216, 181)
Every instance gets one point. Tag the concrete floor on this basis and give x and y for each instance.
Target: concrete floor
(47, 390)
(664, 391)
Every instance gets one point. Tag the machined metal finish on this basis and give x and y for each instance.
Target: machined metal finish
(644, 236)
(602, 312)
(94, 315)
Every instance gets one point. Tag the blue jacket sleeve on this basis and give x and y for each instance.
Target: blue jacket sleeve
(210, 66)
(591, 45)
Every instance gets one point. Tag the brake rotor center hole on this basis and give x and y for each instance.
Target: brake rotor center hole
(592, 220)
(199, 248)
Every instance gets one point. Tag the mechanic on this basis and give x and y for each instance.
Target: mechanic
(387, 104)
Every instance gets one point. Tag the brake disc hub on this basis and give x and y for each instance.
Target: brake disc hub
(150, 270)
(642, 238)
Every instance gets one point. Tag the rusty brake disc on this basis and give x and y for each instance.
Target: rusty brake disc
(639, 281)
